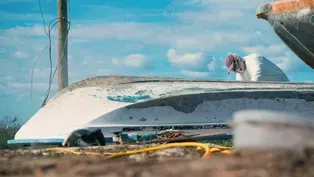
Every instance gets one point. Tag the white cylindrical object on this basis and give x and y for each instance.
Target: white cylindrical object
(263, 129)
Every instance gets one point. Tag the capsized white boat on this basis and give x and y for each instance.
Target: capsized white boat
(135, 104)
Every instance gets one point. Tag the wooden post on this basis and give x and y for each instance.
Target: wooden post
(62, 45)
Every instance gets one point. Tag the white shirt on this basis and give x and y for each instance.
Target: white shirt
(259, 68)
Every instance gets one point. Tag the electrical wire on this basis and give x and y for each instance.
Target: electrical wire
(50, 27)
(62, 52)
(32, 75)
(48, 33)
(164, 146)
(42, 16)
(208, 150)
(50, 60)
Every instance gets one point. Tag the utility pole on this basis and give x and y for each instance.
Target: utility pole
(62, 44)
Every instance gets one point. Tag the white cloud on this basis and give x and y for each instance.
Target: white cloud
(279, 54)
(212, 66)
(21, 55)
(135, 60)
(195, 32)
(209, 16)
(36, 30)
(132, 61)
(211, 40)
(289, 62)
(271, 50)
(194, 74)
(196, 64)
(187, 60)
(179, 36)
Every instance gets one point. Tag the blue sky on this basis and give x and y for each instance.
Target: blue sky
(175, 38)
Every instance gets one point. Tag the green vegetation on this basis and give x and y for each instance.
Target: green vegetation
(8, 127)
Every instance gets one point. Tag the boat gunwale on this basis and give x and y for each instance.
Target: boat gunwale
(111, 81)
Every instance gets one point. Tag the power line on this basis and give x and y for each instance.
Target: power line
(31, 91)
(62, 52)
(48, 33)
(48, 44)
(50, 60)
(32, 75)
(42, 16)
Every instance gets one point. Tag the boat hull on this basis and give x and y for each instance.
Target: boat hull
(293, 22)
(202, 112)
(116, 103)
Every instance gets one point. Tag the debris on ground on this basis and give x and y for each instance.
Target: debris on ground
(179, 161)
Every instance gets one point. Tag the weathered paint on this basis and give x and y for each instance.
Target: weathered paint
(36, 141)
(205, 108)
(283, 6)
(129, 99)
(292, 20)
(84, 103)
(125, 82)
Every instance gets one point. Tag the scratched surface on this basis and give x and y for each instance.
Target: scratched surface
(113, 100)
(293, 22)
(207, 107)
(135, 89)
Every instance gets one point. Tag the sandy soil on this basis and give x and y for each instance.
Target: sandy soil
(172, 162)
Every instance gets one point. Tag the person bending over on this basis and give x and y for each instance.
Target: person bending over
(254, 67)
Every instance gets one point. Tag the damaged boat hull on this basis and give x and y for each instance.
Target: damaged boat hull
(140, 104)
(293, 22)
(202, 112)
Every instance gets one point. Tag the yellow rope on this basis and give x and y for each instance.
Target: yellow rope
(205, 147)
(165, 146)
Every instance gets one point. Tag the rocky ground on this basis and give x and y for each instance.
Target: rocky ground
(171, 162)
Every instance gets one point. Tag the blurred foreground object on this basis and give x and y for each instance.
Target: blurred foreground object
(265, 129)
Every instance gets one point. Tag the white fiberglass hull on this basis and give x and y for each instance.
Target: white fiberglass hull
(112, 103)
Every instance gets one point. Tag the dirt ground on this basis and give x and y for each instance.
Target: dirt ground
(171, 162)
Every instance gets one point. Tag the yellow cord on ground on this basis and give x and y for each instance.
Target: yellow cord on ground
(164, 146)
(205, 147)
